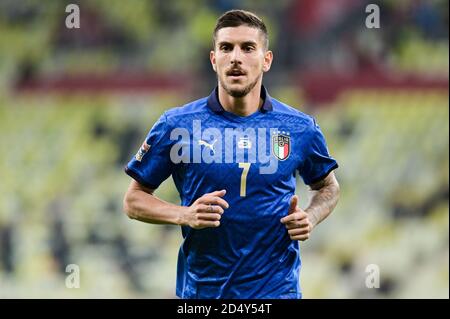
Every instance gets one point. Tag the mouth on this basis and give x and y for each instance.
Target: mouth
(236, 74)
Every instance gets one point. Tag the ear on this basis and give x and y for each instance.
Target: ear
(212, 58)
(268, 57)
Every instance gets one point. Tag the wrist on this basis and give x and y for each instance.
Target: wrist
(181, 216)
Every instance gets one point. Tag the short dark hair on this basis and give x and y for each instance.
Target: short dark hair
(236, 18)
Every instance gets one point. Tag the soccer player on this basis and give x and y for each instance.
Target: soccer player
(233, 157)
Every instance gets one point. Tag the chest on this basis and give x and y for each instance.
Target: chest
(247, 157)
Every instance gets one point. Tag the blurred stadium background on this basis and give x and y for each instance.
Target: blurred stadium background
(75, 105)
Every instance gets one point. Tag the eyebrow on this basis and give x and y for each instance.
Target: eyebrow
(242, 44)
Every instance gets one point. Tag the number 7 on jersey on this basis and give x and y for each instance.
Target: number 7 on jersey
(246, 167)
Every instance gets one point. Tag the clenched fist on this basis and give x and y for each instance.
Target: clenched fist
(206, 211)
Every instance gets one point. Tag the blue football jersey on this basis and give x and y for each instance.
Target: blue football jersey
(255, 158)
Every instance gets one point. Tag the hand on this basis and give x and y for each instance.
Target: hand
(297, 223)
(206, 211)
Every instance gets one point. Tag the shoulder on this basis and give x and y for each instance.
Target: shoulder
(289, 114)
(193, 110)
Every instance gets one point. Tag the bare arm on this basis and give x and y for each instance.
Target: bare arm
(324, 199)
(141, 204)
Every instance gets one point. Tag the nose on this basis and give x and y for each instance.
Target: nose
(236, 56)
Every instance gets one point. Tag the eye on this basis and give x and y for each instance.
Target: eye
(225, 47)
(249, 48)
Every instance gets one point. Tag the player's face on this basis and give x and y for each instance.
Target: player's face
(239, 59)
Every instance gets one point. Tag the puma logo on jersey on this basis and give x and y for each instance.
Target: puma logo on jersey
(206, 144)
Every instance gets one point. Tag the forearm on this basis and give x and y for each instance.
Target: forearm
(324, 199)
(148, 208)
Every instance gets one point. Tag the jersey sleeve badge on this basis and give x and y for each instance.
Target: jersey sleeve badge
(142, 151)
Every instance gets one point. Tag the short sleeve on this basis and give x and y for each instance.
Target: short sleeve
(317, 162)
(152, 165)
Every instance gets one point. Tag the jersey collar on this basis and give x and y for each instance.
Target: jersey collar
(215, 106)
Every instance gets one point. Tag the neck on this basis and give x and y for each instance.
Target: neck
(242, 106)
